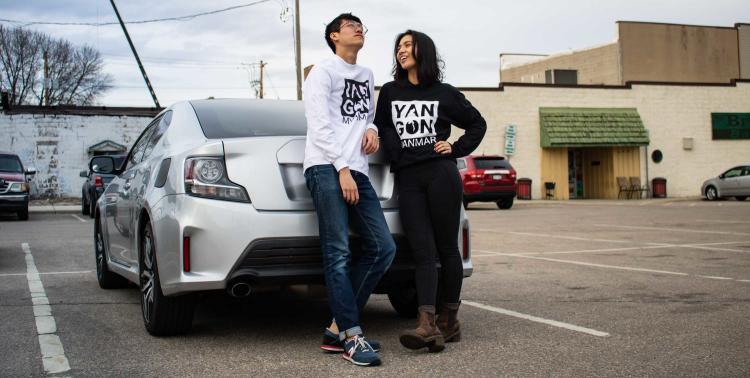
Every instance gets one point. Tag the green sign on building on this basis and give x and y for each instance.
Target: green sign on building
(730, 126)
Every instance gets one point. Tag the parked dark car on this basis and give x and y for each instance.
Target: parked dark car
(488, 178)
(14, 185)
(97, 180)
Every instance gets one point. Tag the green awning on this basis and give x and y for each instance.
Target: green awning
(591, 127)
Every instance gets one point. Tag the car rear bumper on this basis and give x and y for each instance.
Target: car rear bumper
(485, 196)
(14, 202)
(232, 241)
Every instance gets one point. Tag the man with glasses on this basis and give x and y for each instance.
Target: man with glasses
(340, 108)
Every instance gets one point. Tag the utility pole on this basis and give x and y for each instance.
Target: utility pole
(137, 59)
(297, 58)
(261, 78)
(45, 93)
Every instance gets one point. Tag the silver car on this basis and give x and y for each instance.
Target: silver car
(212, 197)
(733, 183)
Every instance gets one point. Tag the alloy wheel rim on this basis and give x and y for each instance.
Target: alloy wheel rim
(711, 193)
(147, 277)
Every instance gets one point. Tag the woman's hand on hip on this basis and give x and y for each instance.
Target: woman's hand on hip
(443, 148)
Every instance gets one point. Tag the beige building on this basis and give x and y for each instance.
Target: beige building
(675, 119)
(642, 52)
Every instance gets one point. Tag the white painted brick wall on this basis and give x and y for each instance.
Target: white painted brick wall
(56, 145)
(670, 113)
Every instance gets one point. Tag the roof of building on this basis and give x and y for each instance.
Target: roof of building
(591, 127)
(83, 110)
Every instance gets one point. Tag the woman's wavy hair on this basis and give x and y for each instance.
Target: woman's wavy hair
(429, 65)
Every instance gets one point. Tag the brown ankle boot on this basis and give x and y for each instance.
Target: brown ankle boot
(448, 322)
(426, 335)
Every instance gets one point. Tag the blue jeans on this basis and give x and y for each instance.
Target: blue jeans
(349, 284)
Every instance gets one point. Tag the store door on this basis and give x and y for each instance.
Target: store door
(575, 173)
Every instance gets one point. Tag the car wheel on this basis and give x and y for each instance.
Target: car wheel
(505, 203)
(23, 214)
(92, 207)
(711, 193)
(404, 300)
(740, 198)
(106, 278)
(162, 315)
(85, 207)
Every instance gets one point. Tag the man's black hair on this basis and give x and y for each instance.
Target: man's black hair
(429, 64)
(335, 26)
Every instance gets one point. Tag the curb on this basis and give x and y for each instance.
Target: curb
(61, 209)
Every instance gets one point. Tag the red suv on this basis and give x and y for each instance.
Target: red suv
(488, 178)
(14, 185)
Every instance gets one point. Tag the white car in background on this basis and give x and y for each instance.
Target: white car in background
(212, 197)
(735, 182)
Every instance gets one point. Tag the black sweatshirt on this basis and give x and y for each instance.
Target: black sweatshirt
(411, 119)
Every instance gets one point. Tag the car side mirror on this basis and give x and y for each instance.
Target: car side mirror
(102, 164)
(721, 176)
(31, 171)
(84, 174)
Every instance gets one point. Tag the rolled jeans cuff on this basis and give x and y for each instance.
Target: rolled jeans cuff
(350, 332)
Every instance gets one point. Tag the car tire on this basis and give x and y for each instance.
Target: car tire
(92, 207)
(85, 207)
(404, 300)
(740, 198)
(162, 315)
(23, 214)
(106, 278)
(505, 204)
(711, 193)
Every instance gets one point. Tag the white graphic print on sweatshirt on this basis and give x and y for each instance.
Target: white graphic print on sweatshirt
(355, 101)
(415, 122)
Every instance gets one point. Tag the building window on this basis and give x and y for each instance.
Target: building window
(564, 77)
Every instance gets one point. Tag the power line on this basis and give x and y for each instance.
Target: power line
(180, 18)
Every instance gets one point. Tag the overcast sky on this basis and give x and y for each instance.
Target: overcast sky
(204, 56)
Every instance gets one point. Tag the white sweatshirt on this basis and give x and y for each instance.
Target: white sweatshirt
(339, 107)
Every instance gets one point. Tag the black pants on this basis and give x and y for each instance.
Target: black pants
(430, 195)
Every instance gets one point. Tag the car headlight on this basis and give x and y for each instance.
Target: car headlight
(207, 177)
(19, 187)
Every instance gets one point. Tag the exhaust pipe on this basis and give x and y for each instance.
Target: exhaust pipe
(240, 290)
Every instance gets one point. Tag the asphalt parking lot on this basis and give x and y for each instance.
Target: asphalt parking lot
(587, 288)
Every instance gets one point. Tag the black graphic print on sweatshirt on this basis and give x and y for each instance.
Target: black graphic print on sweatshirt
(355, 101)
(415, 122)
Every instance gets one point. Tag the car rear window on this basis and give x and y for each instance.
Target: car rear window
(491, 163)
(10, 163)
(237, 118)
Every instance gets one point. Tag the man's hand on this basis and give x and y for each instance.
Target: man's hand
(348, 186)
(443, 148)
(370, 142)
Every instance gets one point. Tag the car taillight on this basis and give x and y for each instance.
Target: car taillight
(513, 174)
(206, 177)
(98, 181)
(466, 242)
(475, 174)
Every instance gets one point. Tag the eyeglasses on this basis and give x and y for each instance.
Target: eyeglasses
(355, 25)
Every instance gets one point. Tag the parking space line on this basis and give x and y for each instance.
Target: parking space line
(49, 273)
(53, 354)
(79, 218)
(673, 229)
(585, 263)
(537, 319)
(485, 253)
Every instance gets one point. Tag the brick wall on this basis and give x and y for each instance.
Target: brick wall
(56, 145)
(670, 113)
(598, 65)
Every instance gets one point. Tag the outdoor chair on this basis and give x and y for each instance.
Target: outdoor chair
(635, 187)
(625, 188)
(549, 190)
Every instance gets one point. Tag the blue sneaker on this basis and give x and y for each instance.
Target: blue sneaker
(359, 352)
(332, 343)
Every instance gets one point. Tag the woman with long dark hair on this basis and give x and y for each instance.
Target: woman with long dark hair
(414, 116)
